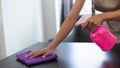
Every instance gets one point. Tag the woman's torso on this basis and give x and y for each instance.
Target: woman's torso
(106, 6)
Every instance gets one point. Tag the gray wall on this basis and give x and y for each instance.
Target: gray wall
(2, 43)
(25, 22)
(49, 19)
(23, 25)
(58, 7)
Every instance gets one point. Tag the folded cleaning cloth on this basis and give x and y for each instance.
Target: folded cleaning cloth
(35, 60)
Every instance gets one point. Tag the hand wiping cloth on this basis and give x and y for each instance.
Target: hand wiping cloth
(35, 60)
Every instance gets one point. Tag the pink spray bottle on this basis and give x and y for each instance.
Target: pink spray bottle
(101, 35)
(103, 38)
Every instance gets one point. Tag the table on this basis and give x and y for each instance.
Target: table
(71, 55)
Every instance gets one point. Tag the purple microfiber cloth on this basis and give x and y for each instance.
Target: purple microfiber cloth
(35, 60)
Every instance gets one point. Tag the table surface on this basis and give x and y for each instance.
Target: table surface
(71, 55)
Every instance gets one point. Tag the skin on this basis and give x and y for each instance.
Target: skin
(69, 23)
(96, 20)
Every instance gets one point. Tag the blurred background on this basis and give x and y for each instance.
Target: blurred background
(26, 22)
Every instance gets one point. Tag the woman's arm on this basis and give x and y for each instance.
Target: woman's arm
(68, 23)
(67, 26)
(113, 15)
(93, 22)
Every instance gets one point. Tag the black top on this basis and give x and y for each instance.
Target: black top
(71, 55)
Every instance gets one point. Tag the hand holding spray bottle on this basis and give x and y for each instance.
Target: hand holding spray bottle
(101, 35)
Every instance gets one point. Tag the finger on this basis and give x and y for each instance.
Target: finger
(46, 54)
(84, 25)
(89, 26)
(42, 52)
(30, 54)
(34, 55)
(92, 27)
(38, 53)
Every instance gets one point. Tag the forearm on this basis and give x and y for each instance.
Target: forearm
(68, 24)
(114, 15)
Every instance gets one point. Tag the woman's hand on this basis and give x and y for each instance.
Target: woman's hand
(44, 52)
(93, 22)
